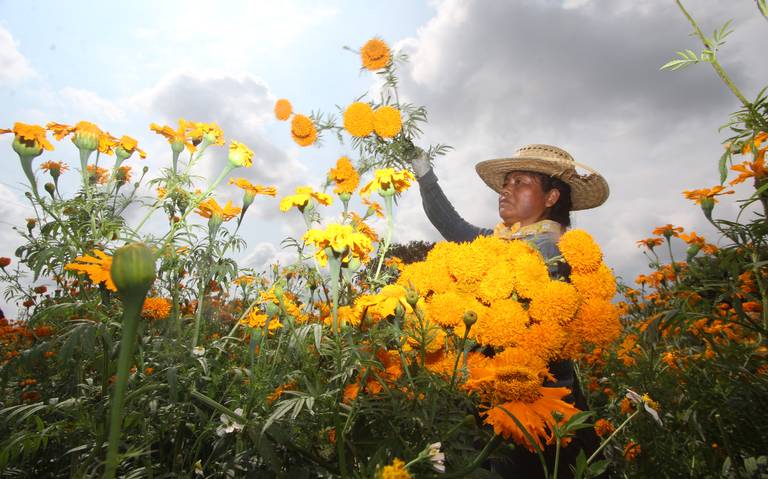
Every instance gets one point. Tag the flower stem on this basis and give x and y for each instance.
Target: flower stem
(390, 226)
(626, 421)
(132, 310)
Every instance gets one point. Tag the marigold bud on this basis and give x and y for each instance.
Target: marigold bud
(412, 297)
(4, 261)
(50, 188)
(470, 318)
(133, 269)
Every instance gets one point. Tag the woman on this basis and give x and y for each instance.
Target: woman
(538, 188)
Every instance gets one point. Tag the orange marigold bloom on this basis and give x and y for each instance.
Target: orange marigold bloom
(706, 193)
(33, 136)
(362, 227)
(504, 324)
(375, 54)
(55, 168)
(599, 284)
(631, 451)
(580, 251)
(554, 301)
(209, 208)
(650, 243)
(85, 134)
(750, 169)
(97, 174)
(250, 188)
(387, 121)
(97, 268)
(283, 109)
(345, 176)
(129, 146)
(604, 428)
(178, 138)
(278, 392)
(156, 308)
(692, 239)
(358, 119)
(208, 131)
(668, 230)
(303, 130)
(373, 208)
(123, 174)
(396, 470)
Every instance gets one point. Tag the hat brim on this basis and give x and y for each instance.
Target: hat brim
(587, 191)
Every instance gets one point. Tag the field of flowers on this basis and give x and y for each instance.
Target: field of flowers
(156, 355)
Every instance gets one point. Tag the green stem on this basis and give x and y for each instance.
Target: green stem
(604, 443)
(132, 309)
(390, 226)
(721, 73)
(456, 362)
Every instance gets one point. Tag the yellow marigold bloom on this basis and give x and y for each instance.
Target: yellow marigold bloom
(498, 283)
(302, 198)
(257, 319)
(32, 137)
(555, 301)
(210, 208)
(387, 121)
(358, 119)
(161, 192)
(127, 146)
(240, 155)
(303, 130)
(283, 109)
(97, 267)
(503, 326)
(580, 251)
(97, 174)
(156, 308)
(426, 277)
(375, 54)
(384, 303)
(249, 187)
(55, 168)
(345, 176)
(209, 131)
(373, 208)
(596, 323)
(342, 239)
(86, 135)
(177, 138)
(396, 470)
(387, 181)
(107, 143)
(530, 273)
(243, 280)
(447, 309)
(598, 284)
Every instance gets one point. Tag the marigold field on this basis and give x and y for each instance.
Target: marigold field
(140, 352)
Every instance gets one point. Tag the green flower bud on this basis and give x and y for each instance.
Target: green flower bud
(27, 148)
(50, 188)
(470, 318)
(133, 270)
(412, 297)
(707, 204)
(693, 250)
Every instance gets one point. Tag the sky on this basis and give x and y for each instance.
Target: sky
(493, 75)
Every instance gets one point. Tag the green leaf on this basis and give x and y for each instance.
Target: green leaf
(723, 167)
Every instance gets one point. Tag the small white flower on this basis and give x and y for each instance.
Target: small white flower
(198, 350)
(436, 457)
(199, 468)
(644, 400)
(228, 425)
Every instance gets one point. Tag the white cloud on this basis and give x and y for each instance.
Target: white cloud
(264, 254)
(14, 66)
(90, 104)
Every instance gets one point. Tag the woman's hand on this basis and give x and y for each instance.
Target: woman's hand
(419, 160)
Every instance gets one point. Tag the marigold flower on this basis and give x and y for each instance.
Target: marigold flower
(384, 303)
(240, 155)
(156, 308)
(97, 267)
(668, 230)
(529, 273)
(650, 243)
(303, 130)
(358, 119)
(554, 301)
(388, 182)
(123, 174)
(85, 135)
(257, 319)
(362, 227)
(750, 169)
(278, 392)
(31, 137)
(302, 197)
(283, 109)
(342, 239)
(387, 121)
(177, 138)
(375, 54)
(345, 176)
(599, 284)
(209, 208)
(631, 451)
(396, 470)
(505, 322)
(580, 251)
(706, 193)
(604, 428)
(243, 280)
(107, 143)
(373, 208)
(97, 174)
(211, 132)
(252, 189)
(55, 168)
(127, 146)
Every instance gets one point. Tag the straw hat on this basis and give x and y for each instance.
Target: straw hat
(587, 191)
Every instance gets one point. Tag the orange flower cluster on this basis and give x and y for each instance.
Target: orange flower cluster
(345, 176)
(156, 308)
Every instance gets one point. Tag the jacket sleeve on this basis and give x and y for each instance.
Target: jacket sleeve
(442, 214)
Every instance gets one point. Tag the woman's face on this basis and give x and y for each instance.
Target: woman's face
(523, 199)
